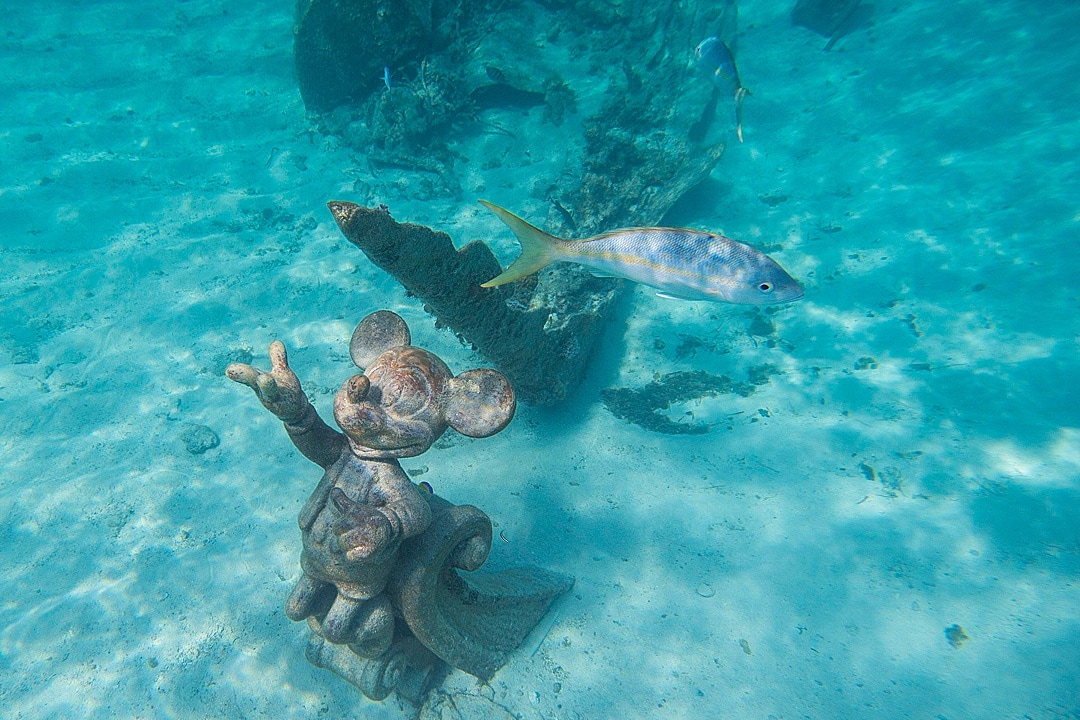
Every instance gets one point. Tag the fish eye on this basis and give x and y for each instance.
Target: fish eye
(765, 287)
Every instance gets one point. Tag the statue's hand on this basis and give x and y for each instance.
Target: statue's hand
(279, 390)
(362, 531)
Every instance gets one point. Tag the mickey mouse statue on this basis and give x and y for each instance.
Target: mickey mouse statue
(375, 546)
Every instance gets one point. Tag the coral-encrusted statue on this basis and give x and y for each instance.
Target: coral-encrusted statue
(377, 548)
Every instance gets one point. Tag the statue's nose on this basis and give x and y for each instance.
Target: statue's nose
(356, 388)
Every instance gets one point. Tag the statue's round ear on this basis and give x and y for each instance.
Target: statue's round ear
(480, 403)
(378, 332)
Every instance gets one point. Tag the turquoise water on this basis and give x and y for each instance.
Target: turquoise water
(888, 527)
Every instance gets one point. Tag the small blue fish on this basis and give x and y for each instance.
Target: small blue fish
(425, 487)
(386, 77)
(714, 55)
(681, 263)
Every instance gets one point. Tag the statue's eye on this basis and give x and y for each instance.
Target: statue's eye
(765, 287)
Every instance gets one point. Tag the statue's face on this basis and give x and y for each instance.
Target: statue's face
(395, 409)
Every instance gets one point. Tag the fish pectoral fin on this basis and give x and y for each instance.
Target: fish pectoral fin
(537, 248)
(601, 274)
(669, 296)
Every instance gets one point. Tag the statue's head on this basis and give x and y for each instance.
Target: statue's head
(406, 397)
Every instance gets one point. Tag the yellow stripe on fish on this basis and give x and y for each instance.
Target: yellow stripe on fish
(628, 259)
(689, 264)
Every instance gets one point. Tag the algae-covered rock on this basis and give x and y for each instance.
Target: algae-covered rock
(342, 46)
(831, 18)
(648, 127)
(645, 406)
(657, 132)
(539, 332)
(198, 438)
(648, 405)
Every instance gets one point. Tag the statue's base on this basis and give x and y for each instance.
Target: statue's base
(406, 668)
(446, 612)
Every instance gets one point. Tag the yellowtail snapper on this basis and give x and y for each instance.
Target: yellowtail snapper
(681, 263)
(715, 56)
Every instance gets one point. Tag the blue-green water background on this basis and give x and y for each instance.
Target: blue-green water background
(914, 465)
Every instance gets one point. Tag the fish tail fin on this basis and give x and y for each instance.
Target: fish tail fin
(538, 249)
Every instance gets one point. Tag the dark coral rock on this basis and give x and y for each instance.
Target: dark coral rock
(342, 46)
(401, 126)
(689, 346)
(656, 133)
(831, 18)
(198, 439)
(655, 136)
(956, 635)
(761, 325)
(560, 99)
(760, 374)
(644, 406)
(539, 332)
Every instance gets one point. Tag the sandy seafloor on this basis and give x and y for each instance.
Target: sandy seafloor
(162, 209)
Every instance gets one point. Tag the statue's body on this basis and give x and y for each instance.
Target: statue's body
(366, 524)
